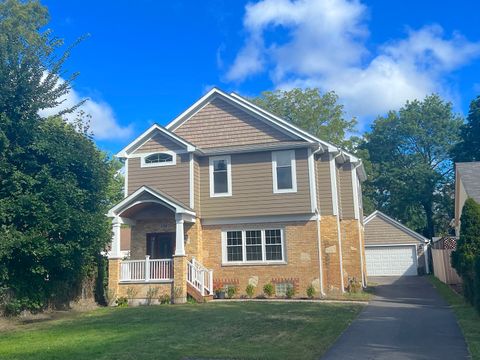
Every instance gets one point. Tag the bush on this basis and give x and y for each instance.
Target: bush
(231, 291)
(353, 285)
(122, 301)
(151, 294)
(131, 293)
(250, 290)
(269, 290)
(468, 249)
(165, 299)
(311, 292)
(290, 293)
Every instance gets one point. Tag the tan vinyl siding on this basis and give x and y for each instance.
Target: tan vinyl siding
(324, 185)
(172, 179)
(222, 124)
(158, 142)
(196, 185)
(378, 231)
(339, 190)
(345, 172)
(252, 188)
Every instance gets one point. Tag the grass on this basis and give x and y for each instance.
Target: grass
(222, 330)
(468, 318)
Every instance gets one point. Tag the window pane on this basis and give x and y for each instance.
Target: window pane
(219, 165)
(283, 158)
(234, 246)
(253, 240)
(220, 184)
(273, 245)
(284, 177)
(158, 158)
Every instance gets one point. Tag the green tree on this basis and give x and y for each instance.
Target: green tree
(411, 170)
(319, 114)
(468, 249)
(468, 149)
(55, 185)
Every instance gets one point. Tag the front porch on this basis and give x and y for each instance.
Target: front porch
(161, 231)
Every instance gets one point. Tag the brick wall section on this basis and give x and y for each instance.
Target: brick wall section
(141, 290)
(351, 250)
(180, 279)
(301, 255)
(330, 254)
(113, 276)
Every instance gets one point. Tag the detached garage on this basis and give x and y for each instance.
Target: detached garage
(392, 249)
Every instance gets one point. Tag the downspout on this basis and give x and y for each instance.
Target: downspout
(319, 236)
(359, 237)
(339, 234)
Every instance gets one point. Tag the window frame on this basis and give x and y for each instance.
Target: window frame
(244, 261)
(293, 170)
(144, 164)
(228, 160)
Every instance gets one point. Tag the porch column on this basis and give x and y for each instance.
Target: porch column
(179, 236)
(115, 249)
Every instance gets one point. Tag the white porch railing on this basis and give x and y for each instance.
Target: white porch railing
(146, 270)
(200, 277)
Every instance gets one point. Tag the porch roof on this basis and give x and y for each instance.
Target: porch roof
(155, 196)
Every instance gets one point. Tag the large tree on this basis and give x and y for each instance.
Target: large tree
(468, 149)
(55, 185)
(319, 114)
(411, 173)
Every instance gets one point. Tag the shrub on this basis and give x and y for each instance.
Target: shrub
(468, 249)
(151, 294)
(231, 291)
(353, 285)
(165, 299)
(110, 296)
(122, 301)
(290, 293)
(311, 292)
(250, 290)
(269, 290)
(131, 293)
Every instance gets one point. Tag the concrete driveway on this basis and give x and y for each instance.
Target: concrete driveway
(406, 320)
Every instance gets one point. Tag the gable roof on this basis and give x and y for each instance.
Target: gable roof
(159, 197)
(148, 134)
(395, 223)
(470, 177)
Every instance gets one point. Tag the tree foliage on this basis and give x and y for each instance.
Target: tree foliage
(411, 170)
(55, 185)
(468, 149)
(319, 114)
(466, 255)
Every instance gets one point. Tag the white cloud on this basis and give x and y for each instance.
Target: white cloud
(103, 122)
(325, 47)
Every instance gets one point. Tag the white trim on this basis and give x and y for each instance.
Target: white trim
(125, 182)
(356, 207)
(389, 245)
(228, 160)
(311, 178)
(333, 183)
(161, 200)
(191, 182)
(395, 223)
(147, 135)
(364, 283)
(258, 219)
(244, 262)
(320, 257)
(143, 156)
(293, 170)
(425, 258)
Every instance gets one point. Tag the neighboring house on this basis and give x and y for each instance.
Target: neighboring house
(392, 249)
(467, 185)
(228, 194)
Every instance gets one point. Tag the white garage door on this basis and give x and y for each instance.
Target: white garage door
(391, 260)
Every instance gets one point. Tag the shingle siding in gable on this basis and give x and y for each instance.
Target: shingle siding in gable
(222, 124)
(378, 231)
(159, 142)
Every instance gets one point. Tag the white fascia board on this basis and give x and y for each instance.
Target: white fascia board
(147, 135)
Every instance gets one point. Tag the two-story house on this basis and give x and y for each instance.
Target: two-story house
(230, 194)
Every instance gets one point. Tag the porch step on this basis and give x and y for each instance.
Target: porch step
(197, 295)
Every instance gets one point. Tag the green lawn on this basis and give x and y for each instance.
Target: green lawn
(224, 330)
(467, 316)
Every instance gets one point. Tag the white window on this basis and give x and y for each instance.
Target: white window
(253, 246)
(220, 176)
(284, 171)
(158, 159)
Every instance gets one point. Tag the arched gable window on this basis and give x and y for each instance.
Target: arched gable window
(158, 159)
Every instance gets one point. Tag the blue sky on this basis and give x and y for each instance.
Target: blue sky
(147, 61)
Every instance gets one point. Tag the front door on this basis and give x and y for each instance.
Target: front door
(160, 245)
